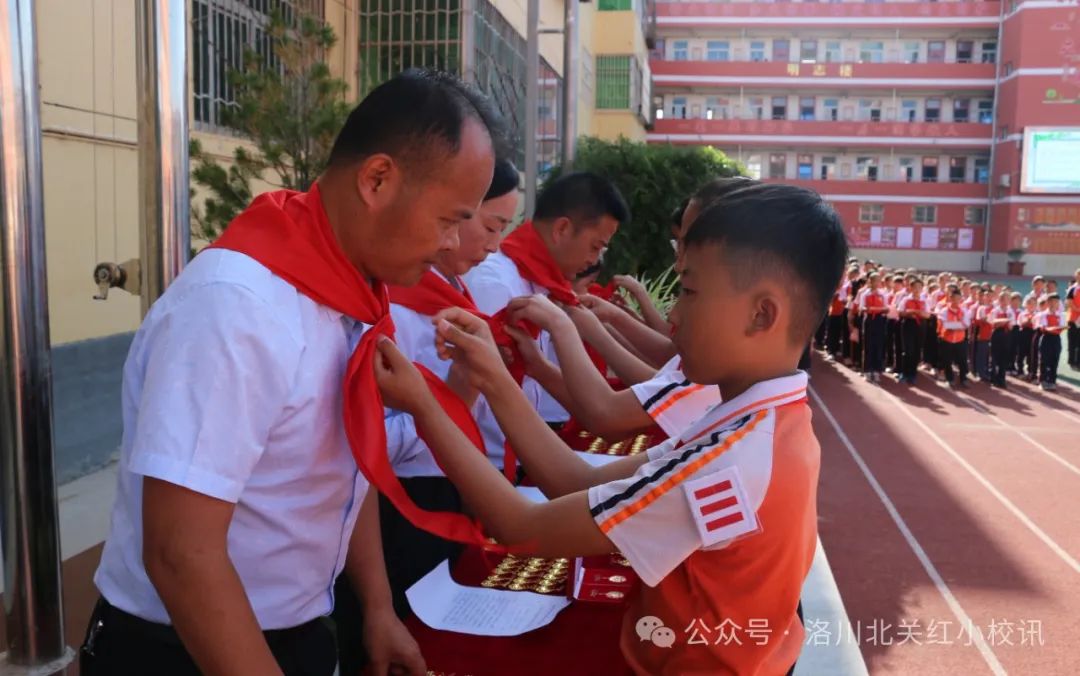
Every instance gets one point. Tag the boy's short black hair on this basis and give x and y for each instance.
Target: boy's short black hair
(955, 291)
(1052, 296)
(678, 213)
(780, 230)
(719, 187)
(505, 180)
(417, 118)
(583, 197)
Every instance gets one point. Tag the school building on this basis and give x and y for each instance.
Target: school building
(910, 117)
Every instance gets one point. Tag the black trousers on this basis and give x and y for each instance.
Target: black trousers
(1000, 342)
(911, 343)
(1023, 350)
(894, 348)
(930, 342)
(820, 334)
(1074, 344)
(1035, 356)
(874, 340)
(1050, 350)
(834, 335)
(954, 354)
(120, 644)
(1014, 347)
(409, 553)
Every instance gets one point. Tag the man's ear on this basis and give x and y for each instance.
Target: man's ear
(377, 180)
(561, 229)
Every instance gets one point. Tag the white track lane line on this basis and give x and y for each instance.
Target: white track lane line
(986, 410)
(939, 583)
(1027, 396)
(1008, 504)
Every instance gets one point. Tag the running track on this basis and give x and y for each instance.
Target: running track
(952, 523)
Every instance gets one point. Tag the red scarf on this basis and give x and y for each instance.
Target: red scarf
(530, 254)
(434, 294)
(288, 233)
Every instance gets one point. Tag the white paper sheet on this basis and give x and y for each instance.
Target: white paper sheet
(598, 459)
(443, 604)
(533, 493)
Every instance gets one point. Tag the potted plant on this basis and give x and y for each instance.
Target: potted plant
(1016, 263)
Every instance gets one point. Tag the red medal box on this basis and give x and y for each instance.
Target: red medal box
(607, 578)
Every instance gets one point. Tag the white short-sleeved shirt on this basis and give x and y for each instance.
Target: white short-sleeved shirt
(649, 516)
(674, 402)
(415, 336)
(233, 389)
(493, 284)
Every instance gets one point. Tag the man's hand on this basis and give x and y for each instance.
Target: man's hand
(465, 338)
(390, 647)
(537, 309)
(402, 386)
(530, 352)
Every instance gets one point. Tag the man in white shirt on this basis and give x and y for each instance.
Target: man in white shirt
(239, 498)
(575, 218)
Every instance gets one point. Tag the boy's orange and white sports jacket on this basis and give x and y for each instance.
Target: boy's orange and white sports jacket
(721, 526)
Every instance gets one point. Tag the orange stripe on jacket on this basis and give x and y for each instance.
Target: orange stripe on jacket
(677, 478)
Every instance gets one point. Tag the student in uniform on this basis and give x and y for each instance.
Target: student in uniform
(411, 552)
(954, 321)
(1001, 319)
(855, 348)
(240, 499)
(837, 322)
(873, 307)
(1041, 305)
(1072, 303)
(893, 348)
(758, 270)
(1016, 304)
(575, 218)
(913, 312)
(935, 292)
(983, 329)
(1025, 320)
(1038, 288)
(1052, 323)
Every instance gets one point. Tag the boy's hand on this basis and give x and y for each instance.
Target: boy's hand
(631, 284)
(402, 386)
(588, 324)
(465, 338)
(537, 309)
(607, 312)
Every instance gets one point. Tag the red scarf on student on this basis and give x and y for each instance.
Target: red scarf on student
(434, 294)
(530, 254)
(288, 233)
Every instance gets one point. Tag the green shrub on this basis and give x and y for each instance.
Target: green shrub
(655, 179)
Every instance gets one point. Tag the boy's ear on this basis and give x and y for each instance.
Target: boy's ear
(765, 313)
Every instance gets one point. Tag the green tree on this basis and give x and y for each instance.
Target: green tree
(654, 179)
(289, 106)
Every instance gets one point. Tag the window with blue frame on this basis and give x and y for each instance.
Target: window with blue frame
(681, 50)
(718, 50)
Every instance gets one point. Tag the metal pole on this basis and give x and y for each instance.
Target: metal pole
(468, 41)
(984, 264)
(532, 100)
(33, 599)
(571, 81)
(164, 199)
